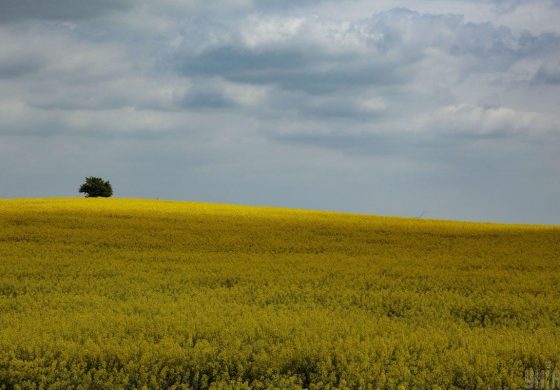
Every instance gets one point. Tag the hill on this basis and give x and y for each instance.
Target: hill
(111, 293)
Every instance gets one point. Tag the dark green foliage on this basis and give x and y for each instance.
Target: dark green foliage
(95, 187)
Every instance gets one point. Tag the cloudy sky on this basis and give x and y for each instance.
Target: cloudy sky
(440, 108)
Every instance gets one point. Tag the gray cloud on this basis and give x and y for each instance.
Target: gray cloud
(291, 70)
(16, 10)
(14, 69)
(323, 68)
(548, 73)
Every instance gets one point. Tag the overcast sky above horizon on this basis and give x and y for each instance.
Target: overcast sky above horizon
(441, 108)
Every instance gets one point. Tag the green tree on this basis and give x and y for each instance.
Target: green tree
(95, 187)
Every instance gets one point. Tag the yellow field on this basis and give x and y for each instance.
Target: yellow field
(109, 293)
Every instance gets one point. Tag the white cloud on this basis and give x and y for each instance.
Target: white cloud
(500, 121)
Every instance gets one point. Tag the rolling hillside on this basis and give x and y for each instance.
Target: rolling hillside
(113, 293)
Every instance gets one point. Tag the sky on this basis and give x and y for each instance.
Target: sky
(446, 109)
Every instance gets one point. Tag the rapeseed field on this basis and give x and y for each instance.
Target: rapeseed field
(114, 293)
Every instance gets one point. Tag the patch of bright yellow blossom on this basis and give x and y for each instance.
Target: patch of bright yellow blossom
(113, 293)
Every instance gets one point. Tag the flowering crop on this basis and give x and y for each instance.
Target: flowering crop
(114, 293)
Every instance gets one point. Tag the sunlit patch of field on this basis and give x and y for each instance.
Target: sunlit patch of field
(110, 293)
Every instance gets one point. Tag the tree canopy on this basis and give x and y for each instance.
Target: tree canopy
(95, 187)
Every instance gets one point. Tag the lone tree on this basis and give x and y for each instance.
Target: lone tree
(95, 187)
